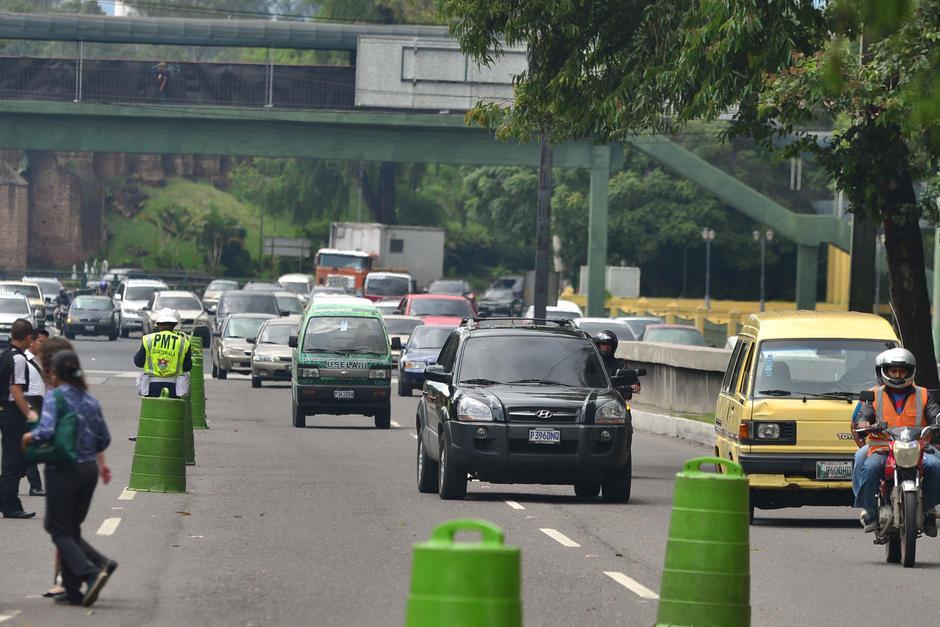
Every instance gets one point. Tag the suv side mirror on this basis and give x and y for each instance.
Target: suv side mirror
(437, 374)
(626, 377)
(292, 341)
(396, 343)
(866, 396)
(284, 314)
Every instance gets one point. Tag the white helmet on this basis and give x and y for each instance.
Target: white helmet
(895, 358)
(168, 316)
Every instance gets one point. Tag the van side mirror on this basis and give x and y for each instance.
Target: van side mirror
(866, 396)
(292, 341)
(396, 343)
(437, 374)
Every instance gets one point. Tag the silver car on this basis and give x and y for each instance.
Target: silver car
(230, 348)
(271, 357)
(13, 307)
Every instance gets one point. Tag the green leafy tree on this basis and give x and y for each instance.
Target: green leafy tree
(215, 232)
(610, 68)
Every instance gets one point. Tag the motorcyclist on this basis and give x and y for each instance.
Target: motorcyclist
(899, 403)
(103, 287)
(63, 299)
(607, 343)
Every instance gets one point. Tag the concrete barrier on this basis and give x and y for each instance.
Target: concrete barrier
(673, 426)
(679, 379)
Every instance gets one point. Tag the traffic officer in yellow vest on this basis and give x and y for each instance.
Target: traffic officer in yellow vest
(165, 357)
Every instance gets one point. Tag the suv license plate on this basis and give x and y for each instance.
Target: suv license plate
(344, 394)
(90, 328)
(544, 436)
(833, 471)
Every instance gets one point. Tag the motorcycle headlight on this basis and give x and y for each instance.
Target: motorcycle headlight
(907, 454)
(473, 410)
(611, 413)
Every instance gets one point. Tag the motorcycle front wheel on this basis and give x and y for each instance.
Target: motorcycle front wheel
(909, 532)
(893, 548)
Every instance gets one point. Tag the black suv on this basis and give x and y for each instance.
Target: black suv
(523, 401)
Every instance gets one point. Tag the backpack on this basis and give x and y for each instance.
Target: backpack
(6, 371)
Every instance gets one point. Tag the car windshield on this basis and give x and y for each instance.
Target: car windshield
(260, 287)
(794, 367)
(457, 288)
(289, 304)
(243, 327)
(14, 306)
(29, 291)
(277, 334)
(387, 285)
(141, 292)
(639, 326)
(92, 303)
(345, 334)
(296, 287)
(566, 361)
(497, 293)
(387, 308)
(334, 260)
(670, 335)
(180, 303)
(441, 307)
(401, 326)
(222, 286)
(428, 337)
(323, 289)
(49, 287)
(242, 302)
(621, 330)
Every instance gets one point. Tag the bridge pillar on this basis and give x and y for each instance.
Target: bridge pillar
(14, 216)
(807, 261)
(597, 231)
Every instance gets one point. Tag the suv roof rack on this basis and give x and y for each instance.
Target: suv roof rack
(512, 322)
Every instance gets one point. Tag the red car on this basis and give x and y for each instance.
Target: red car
(437, 308)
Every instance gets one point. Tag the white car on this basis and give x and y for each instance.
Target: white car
(13, 307)
(193, 317)
(298, 284)
(564, 310)
(388, 306)
(130, 297)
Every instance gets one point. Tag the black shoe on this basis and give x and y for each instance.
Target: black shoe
(132, 438)
(110, 567)
(94, 588)
(930, 524)
(37, 492)
(19, 514)
(63, 598)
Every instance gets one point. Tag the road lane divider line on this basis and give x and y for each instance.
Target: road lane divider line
(514, 505)
(396, 425)
(560, 538)
(632, 585)
(9, 615)
(108, 527)
(127, 495)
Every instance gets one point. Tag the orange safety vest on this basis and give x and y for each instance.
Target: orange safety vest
(912, 415)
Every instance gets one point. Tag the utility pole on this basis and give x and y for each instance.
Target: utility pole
(542, 221)
(709, 236)
(763, 238)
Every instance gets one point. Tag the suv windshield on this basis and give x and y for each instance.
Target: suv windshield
(243, 327)
(91, 303)
(141, 292)
(794, 367)
(441, 307)
(398, 326)
(567, 361)
(345, 334)
(14, 306)
(497, 293)
(387, 285)
(177, 302)
(246, 302)
(289, 304)
(332, 260)
(222, 286)
(277, 334)
(296, 287)
(433, 337)
(29, 291)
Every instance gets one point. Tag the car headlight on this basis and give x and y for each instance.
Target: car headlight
(233, 352)
(907, 454)
(415, 365)
(309, 373)
(767, 431)
(611, 413)
(264, 358)
(68, 320)
(380, 373)
(474, 410)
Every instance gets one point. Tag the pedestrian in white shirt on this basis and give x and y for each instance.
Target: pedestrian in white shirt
(35, 392)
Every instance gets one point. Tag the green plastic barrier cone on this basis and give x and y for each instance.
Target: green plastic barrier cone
(159, 464)
(197, 386)
(189, 444)
(465, 584)
(706, 577)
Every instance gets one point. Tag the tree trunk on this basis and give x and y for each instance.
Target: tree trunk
(381, 201)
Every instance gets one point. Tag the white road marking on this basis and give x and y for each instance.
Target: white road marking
(127, 495)
(5, 617)
(395, 424)
(514, 505)
(109, 526)
(414, 435)
(560, 538)
(632, 585)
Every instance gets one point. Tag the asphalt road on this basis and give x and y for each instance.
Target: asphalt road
(283, 526)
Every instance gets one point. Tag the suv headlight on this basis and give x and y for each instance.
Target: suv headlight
(907, 454)
(611, 413)
(380, 373)
(473, 410)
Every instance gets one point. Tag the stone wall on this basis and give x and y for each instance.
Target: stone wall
(14, 208)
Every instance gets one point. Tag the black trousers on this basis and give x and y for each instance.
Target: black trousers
(157, 387)
(32, 471)
(12, 464)
(69, 489)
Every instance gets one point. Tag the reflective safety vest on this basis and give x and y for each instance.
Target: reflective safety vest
(165, 352)
(911, 415)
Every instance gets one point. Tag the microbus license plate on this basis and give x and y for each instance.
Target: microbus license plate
(344, 394)
(544, 436)
(834, 471)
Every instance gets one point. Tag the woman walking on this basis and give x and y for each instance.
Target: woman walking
(70, 487)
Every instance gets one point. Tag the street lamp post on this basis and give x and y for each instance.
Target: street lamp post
(708, 235)
(763, 238)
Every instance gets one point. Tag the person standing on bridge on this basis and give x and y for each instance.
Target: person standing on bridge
(165, 357)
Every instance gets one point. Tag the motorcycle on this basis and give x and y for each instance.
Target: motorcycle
(900, 497)
(59, 316)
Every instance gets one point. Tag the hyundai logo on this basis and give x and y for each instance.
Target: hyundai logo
(544, 414)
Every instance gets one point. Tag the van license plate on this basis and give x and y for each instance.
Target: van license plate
(345, 394)
(544, 436)
(834, 471)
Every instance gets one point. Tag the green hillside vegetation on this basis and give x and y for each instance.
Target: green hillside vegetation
(170, 231)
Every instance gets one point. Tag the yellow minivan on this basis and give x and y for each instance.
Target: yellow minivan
(786, 401)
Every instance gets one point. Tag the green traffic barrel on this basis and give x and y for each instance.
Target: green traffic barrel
(706, 577)
(188, 443)
(463, 584)
(159, 464)
(197, 386)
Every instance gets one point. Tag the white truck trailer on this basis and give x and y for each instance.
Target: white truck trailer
(418, 250)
